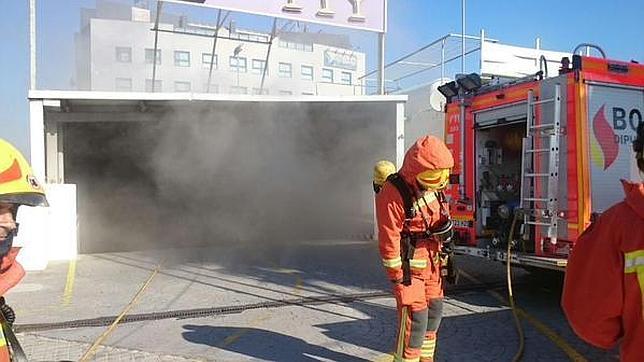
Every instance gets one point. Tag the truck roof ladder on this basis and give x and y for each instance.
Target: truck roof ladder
(540, 169)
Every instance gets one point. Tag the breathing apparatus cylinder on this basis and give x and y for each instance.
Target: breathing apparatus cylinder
(444, 235)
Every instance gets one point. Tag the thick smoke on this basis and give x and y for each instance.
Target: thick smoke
(206, 174)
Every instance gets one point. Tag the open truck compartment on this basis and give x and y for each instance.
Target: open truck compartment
(162, 173)
(498, 175)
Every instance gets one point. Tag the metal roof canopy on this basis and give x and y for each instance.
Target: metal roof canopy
(48, 108)
(89, 106)
(148, 96)
(433, 56)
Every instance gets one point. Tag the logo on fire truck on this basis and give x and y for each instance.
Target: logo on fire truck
(605, 141)
(604, 149)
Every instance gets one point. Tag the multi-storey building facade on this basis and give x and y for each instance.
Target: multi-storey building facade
(116, 53)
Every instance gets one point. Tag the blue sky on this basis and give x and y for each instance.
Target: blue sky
(615, 25)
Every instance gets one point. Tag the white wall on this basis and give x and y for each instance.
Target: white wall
(421, 119)
(48, 233)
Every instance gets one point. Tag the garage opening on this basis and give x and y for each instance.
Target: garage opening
(163, 174)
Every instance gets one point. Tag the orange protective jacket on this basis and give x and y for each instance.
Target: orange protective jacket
(428, 153)
(11, 272)
(604, 286)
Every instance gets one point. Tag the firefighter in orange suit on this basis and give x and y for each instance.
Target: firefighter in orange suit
(603, 296)
(413, 220)
(18, 186)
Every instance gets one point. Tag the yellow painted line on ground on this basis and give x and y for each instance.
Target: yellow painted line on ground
(298, 279)
(536, 323)
(92, 349)
(69, 284)
(552, 335)
(298, 284)
(253, 323)
(284, 270)
(235, 336)
(385, 358)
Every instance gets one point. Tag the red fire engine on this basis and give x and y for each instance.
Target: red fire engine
(541, 156)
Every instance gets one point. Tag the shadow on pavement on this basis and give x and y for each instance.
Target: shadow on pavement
(377, 331)
(262, 344)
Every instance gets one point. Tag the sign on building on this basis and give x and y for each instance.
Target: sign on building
(357, 14)
(340, 59)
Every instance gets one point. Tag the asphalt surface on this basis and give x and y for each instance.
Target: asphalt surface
(477, 325)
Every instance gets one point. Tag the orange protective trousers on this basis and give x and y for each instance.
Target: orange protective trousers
(420, 309)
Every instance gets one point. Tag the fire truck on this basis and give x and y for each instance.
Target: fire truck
(538, 158)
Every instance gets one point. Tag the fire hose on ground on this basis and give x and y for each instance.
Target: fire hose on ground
(92, 349)
(515, 314)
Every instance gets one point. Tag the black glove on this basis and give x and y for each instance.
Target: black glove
(8, 313)
(449, 272)
(452, 270)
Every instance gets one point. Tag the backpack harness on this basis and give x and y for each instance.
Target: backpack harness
(408, 239)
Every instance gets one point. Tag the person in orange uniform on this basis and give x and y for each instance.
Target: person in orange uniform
(18, 186)
(603, 294)
(413, 219)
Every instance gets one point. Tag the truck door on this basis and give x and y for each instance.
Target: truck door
(614, 111)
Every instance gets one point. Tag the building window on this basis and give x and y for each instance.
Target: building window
(285, 70)
(124, 54)
(327, 75)
(258, 66)
(257, 91)
(206, 58)
(157, 85)
(149, 56)
(307, 72)
(181, 58)
(286, 93)
(123, 84)
(250, 36)
(238, 90)
(303, 47)
(238, 65)
(345, 78)
(214, 88)
(182, 86)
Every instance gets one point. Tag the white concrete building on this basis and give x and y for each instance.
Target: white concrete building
(115, 52)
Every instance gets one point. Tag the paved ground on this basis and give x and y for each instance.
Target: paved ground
(476, 327)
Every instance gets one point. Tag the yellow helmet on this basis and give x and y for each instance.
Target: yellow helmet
(434, 180)
(381, 171)
(17, 182)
